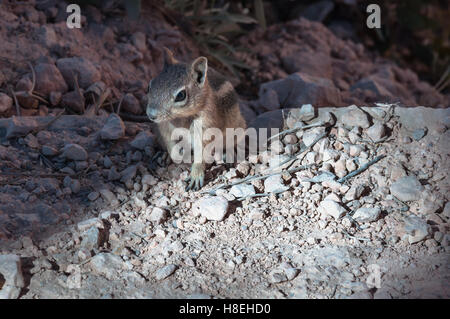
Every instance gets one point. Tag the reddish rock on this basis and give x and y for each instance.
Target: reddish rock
(6, 103)
(113, 128)
(26, 100)
(19, 126)
(371, 84)
(46, 35)
(55, 98)
(299, 88)
(84, 69)
(24, 84)
(138, 40)
(74, 101)
(311, 63)
(74, 152)
(310, 48)
(131, 104)
(269, 100)
(49, 79)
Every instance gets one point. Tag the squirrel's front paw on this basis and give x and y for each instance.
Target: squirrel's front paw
(196, 178)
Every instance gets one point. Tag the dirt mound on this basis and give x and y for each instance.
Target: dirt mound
(109, 51)
(350, 73)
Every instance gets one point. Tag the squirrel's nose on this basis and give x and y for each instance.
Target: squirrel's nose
(152, 113)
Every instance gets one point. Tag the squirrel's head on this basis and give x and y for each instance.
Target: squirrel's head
(178, 91)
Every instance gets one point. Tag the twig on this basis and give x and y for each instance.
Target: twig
(381, 140)
(261, 195)
(361, 169)
(244, 180)
(120, 104)
(46, 161)
(350, 217)
(93, 97)
(76, 84)
(254, 177)
(45, 126)
(357, 238)
(16, 103)
(33, 75)
(405, 207)
(37, 97)
(443, 85)
(31, 92)
(296, 157)
(441, 81)
(93, 109)
(301, 167)
(111, 102)
(295, 129)
(140, 237)
(306, 150)
(77, 88)
(102, 99)
(369, 113)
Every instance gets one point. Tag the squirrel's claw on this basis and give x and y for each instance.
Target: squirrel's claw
(195, 183)
(196, 179)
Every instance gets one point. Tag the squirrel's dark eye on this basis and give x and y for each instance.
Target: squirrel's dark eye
(181, 96)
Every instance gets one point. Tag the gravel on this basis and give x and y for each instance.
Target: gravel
(305, 235)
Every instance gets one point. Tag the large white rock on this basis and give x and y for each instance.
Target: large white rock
(331, 208)
(11, 271)
(355, 117)
(309, 136)
(376, 131)
(242, 190)
(158, 215)
(416, 228)
(212, 208)
(407, 189)
(106, 264)
(367, 214)
(274, 184)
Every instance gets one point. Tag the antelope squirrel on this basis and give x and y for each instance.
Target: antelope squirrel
(194, 96)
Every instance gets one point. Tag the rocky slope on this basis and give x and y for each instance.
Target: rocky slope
(358, 208)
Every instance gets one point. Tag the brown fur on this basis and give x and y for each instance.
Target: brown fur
(210, 98)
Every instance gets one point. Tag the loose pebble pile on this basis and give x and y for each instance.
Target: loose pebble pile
(280, 225)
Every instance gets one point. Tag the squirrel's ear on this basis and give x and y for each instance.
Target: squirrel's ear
(199, 68)
(168, 57)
